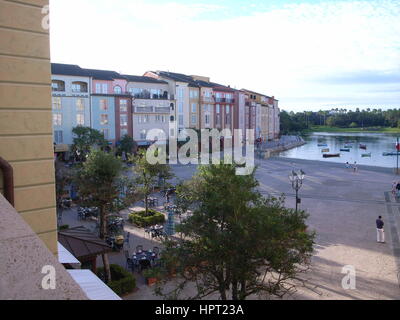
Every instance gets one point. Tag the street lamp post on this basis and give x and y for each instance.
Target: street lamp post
(296, 178)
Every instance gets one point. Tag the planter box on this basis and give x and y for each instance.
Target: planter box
(151, 281)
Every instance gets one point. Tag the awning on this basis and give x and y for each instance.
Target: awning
(94, 288)
(65, 257)
(82, 243)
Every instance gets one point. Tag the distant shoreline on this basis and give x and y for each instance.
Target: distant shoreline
(352, 130)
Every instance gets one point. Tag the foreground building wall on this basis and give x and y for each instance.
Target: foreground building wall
(26, 138)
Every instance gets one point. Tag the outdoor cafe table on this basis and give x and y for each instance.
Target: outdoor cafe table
(144, 255)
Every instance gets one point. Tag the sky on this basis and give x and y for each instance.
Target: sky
(309, 54)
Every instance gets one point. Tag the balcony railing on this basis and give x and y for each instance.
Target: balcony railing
(144, 109)
(162, 109)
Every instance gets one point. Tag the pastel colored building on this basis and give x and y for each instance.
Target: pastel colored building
(153, 107)
(70, 101)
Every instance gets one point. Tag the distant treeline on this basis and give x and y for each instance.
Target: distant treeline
(341, 118)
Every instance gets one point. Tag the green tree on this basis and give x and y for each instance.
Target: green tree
(100, 184)
(236, 243)
(148, 176)
(127, 145)
(84, 139)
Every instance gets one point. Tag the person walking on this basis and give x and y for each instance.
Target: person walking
(355, 166)
(347, 165)
(380, 232)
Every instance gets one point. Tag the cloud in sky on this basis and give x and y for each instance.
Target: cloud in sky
(278, 49)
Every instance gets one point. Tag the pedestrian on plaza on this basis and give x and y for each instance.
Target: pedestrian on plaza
(380, 232)
(355, 166)
(347, 165)
(398, 189)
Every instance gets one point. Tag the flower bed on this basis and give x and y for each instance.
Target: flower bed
(142, 220)
(122, 282)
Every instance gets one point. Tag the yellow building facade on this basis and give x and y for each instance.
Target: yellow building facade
(26, 138)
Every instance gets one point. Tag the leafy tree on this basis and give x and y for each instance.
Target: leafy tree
(100, 184)
(127, 145)
(85, 138)
(236, 243)
(63, 179)
(148, 175)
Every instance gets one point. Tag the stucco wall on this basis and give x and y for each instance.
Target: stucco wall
(26, 139)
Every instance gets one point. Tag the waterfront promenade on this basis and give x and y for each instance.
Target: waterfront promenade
(343, 207)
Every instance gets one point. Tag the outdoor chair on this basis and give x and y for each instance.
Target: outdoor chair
(144, 264)
(130, 264)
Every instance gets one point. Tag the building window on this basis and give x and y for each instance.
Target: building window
(180, 107)
(58, 136)
(227, 109)
(104, 88)
(57, 85)
(105, 133)
(123, 105)
(143, 134)
(181, 92)
(207, 118)
(57, 103)
(172, 118)
(218, 119)
(123, 120)
(181, 120)
(98, 88)
(194, 107)
(123, 132)
(80, 119)
(217, 108)
(80, 105)
(104, 119)
(194, 119)
(103, 105)
(57, 119)
(79, 87)
(194, 94)
(117, 90)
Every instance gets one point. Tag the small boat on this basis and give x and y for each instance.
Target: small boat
(348, 147)
(322, 145)
(331, 155)
(325, 150)
(363, 146)
(345, 149)
(364, 155)
(391, 154)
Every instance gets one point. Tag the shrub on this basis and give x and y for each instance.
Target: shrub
(122, 281)
(64, 227)
(140, 219)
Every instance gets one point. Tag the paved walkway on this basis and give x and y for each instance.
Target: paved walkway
(343, 207)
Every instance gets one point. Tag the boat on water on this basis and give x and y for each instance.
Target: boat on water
(322, 145)
(348, 146)
(363, 146)
(364, 155)
(325, 150)
(331, 155)
(345, 149)
(391, 154)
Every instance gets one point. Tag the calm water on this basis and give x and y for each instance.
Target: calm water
(376, 143)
